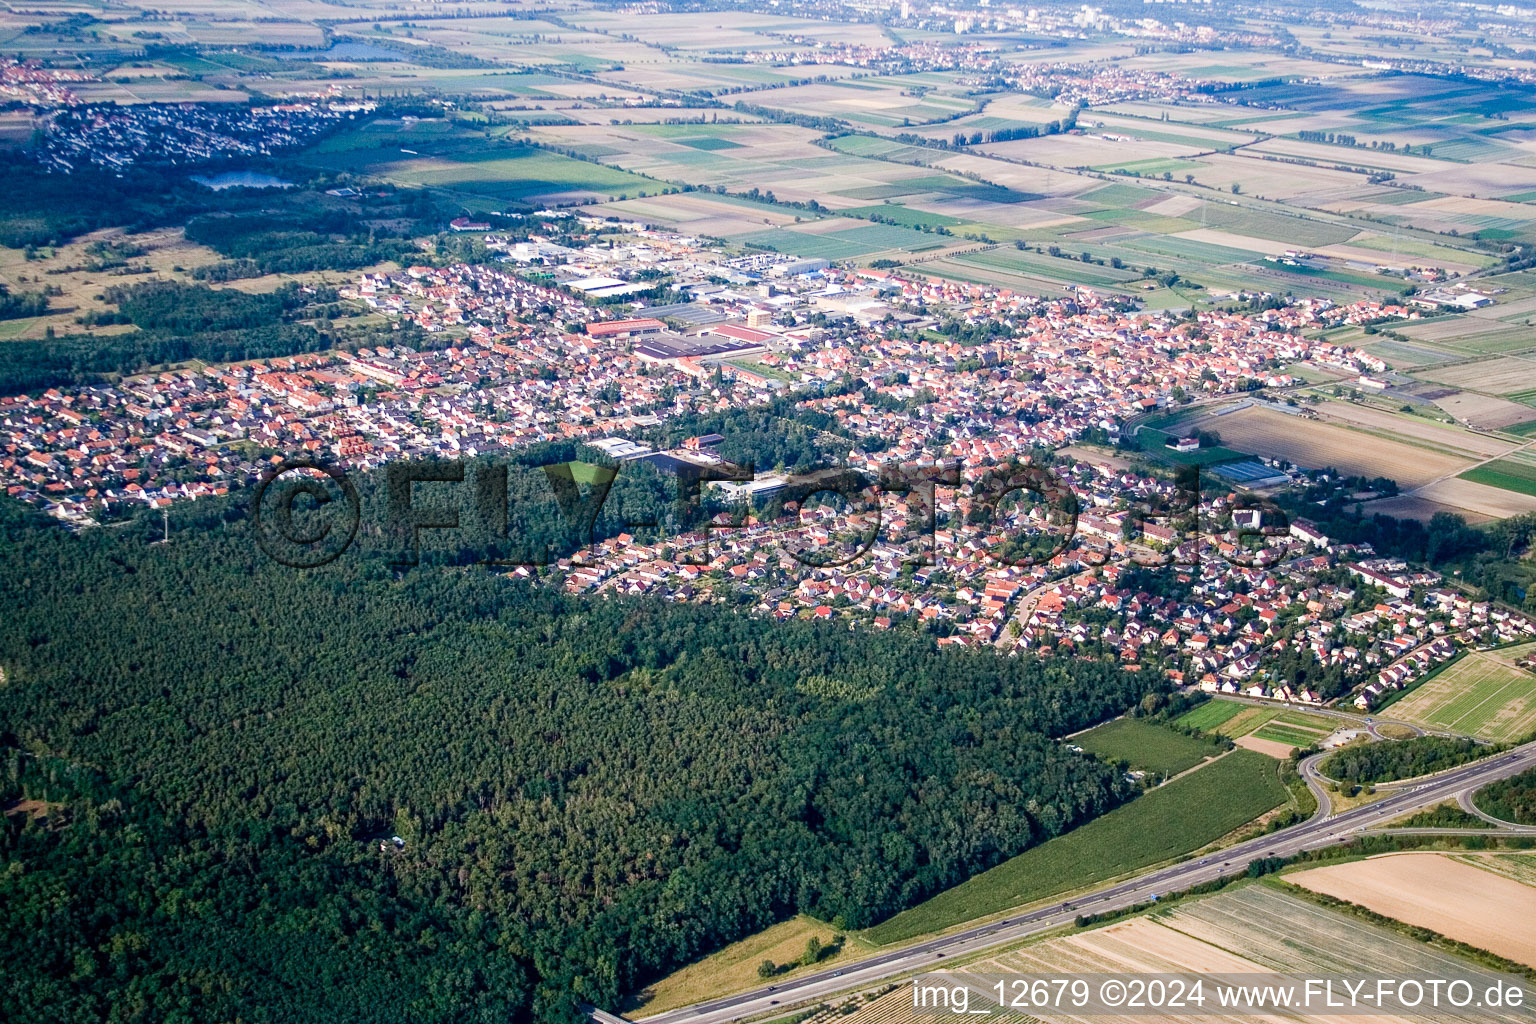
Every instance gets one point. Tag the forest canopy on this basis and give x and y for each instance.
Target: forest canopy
(587, 792)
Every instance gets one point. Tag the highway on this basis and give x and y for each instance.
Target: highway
(1320, 831)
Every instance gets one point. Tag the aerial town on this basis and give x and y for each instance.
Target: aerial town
(532, 362)
(768, 511)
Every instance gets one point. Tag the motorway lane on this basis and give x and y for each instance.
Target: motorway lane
(1319, 831)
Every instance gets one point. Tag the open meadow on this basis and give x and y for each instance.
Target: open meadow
(1145, 746)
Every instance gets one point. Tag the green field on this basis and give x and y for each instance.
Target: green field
(1212, 713)
(708, 142)
(1189, 249)
(470, 165)
(1276, 227)
(1232, 719)
(1145, 746)
(1279, 733)
(903, 216)
(1483, 695)
(1154, 443)
(1508, 474)
(1050, 267)
(1171, 820)
(807, 246)
(1163, 165)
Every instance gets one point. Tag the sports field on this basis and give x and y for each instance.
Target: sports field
(1178, 818)
(1483, 695)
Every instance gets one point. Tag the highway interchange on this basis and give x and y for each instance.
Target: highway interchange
(1323, 829)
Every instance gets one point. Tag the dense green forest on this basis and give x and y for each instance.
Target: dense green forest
(180, 308)
(33, 364)
(1404, 759)
(297, 240)
(589, 792)
(38, 208)
(14, 305)
(1511, 799)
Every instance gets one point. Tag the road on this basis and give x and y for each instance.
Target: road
(1320, 831)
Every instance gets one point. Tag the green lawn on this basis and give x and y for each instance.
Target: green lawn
(1209, 715)
(1145, 746)
(1171, 820)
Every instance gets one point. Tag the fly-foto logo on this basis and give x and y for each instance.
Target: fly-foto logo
(308, 514)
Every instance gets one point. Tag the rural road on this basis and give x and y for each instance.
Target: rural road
(1320, 831)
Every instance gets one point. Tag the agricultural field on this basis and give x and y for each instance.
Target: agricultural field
(1484, 412)
(1430, 434)
(874, 102)
(1318, 444)
(1180, 817)
(1521, 867)
(699, 213)
(1275, 730)
(843, 238)
(1515, 473)
(463, 162)
(1208, 717)
(1479, 498)
(1145, 746)
(1483, 694)
(1508, 377)
(1246, 929)
(1291, 731)
(1469, 336)
(1452, 896)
